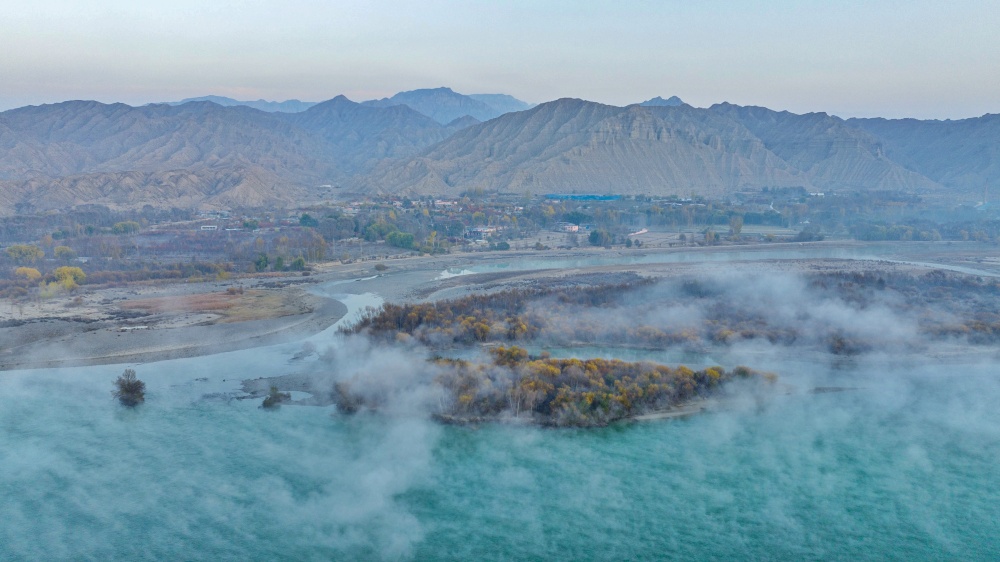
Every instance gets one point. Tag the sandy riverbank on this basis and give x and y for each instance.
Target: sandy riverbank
(155, 323)
(143, 323)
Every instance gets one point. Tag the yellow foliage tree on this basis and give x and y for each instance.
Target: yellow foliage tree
(24, 253)
(69, 277)
(29, 273)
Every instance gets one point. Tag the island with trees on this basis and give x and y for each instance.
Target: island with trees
(513, 386)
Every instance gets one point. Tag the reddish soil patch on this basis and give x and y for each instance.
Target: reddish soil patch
(209, 302)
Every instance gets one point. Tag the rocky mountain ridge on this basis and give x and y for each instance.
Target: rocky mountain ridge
(961, 154)
(201, 154)
(575, 145)
(60, 155)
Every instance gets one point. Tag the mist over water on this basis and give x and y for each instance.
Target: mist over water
(903, 467)
(840, 476)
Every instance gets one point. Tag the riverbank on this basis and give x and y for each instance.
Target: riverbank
(108, 335)
(153, 322)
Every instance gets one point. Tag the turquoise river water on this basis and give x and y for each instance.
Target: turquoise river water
(907, 467)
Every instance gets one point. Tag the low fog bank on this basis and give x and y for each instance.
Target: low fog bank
(899, 462)
(828, 329)
(191, 474)
(903, 468)
(842, 314)
(894, 456)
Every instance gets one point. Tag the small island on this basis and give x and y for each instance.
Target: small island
(514, 386)
(274, 398)
(510, 385)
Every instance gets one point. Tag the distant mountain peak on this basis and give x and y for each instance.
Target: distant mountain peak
(419, 93)
(287, 106)
(568, 102)
(444, 105)
(672, 101)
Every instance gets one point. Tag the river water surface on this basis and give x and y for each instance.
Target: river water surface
(903, 468)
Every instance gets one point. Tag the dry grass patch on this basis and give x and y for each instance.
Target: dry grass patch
(260, 305)
(251, 305)
(207, 302)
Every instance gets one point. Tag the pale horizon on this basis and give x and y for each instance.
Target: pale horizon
(917, 59)
(362, 99)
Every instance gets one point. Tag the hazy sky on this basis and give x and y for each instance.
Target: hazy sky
(916, 58)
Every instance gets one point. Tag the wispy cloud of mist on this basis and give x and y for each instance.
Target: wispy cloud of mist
(187, 470)
(912, 449)
(789, 311)
(396, 378)
(868, 473)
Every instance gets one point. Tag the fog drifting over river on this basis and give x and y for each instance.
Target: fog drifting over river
(903, 467)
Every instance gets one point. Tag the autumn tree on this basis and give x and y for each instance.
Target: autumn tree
(29, 273)
(25, 253)
(314, 245)
(69, 277)
(509, 356)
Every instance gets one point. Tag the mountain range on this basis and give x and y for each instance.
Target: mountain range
(436, 141)
(287, 106)
(441, 104)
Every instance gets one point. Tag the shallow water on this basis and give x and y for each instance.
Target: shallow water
(637, 257)
(898, 253)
